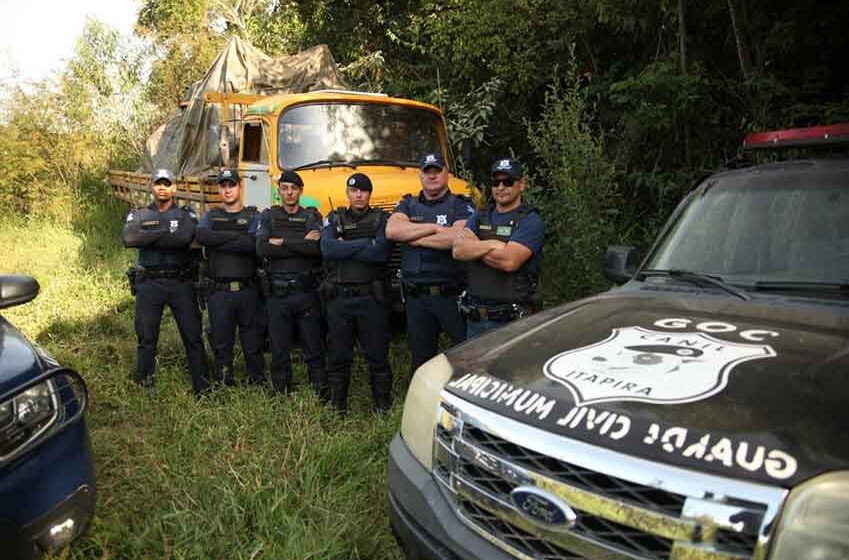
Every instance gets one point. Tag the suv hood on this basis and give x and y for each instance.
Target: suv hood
(753, 390)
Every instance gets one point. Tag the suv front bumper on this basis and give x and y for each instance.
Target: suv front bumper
(423, 520)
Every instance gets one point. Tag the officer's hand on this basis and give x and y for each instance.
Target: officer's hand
(276, 241)
(313, 235)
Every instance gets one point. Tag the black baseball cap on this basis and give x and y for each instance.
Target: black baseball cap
(228, 176)
(360, 181)
(290, 176)
(162, 175)
(433, 159)
(508, 166)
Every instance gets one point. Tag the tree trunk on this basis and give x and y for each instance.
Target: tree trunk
(682, 54)
(682, 34)
(743, 51)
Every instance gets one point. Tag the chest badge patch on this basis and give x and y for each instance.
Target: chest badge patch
(637, 364)
(503, 230)
(173, 225)
(442, 219)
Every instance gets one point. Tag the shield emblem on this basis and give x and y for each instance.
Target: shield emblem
(442, 219)
(637, 364)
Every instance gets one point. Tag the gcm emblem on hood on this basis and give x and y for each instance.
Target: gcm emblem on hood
(637, 364)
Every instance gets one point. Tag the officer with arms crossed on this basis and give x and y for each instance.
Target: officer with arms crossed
(288, 240)
(355, 253)
(503, 245)
(430, 279)
(227, 235)
(163, 233)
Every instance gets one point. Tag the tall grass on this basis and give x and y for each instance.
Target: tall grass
(238, 474)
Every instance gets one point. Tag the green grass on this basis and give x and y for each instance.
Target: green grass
(239, 474)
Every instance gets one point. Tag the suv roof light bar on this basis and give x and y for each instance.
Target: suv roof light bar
(798, 137)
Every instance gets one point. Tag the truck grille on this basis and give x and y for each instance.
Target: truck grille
(625, 507)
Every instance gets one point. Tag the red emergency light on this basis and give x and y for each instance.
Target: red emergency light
(798, 137)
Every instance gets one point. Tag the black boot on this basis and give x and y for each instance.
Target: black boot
(381, 390)
(338, 383)
(318, 382)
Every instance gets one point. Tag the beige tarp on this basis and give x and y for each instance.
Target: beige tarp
(188, 143)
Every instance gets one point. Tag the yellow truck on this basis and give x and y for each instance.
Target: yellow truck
(325, 136)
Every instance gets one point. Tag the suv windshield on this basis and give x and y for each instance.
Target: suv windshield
(783, 226)
(325, 133)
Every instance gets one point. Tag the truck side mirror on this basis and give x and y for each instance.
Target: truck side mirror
(620, 263)
(466, 152)
(16, 290)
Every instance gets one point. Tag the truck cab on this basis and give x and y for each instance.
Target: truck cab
(327, 136)
(697, 411)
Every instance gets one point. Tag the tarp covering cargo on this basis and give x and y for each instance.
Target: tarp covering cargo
(188, 143)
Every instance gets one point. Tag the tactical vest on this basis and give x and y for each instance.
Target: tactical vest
(164, 259)
(291, 226)
(225, 266)
(490, 284)
(350, 226)
(423, 265)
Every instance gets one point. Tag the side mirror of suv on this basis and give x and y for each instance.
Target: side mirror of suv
(17, 289)
(620, 262)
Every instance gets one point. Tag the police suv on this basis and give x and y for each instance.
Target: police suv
(47, 487)
(697, 412)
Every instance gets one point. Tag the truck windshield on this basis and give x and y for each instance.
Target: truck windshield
(760, 230)
(325, 133)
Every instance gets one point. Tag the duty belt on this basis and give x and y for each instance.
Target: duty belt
(233, 286)
(286, 287)
(334, 291)
(158, 273)
(502, 312)
(415, 290)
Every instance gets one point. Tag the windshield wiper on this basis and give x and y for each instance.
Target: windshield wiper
(325, 163)
(377, 161)
(799, 285)
(695, 278)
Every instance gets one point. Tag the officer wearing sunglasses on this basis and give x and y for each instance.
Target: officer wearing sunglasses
(503, 246)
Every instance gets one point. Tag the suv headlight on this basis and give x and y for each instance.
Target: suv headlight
(815, 521)
(421, 408)
(26, 416)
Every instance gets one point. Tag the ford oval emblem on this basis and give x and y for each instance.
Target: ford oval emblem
(543, 508)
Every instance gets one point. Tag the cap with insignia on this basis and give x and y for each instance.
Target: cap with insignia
(162, 176)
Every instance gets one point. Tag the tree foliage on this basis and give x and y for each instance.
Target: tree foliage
(662, 94)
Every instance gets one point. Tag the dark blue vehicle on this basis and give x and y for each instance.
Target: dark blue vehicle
(47, 490)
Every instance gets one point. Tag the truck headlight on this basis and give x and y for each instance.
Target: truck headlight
(26, 416)
(421, 408)
(815, 521)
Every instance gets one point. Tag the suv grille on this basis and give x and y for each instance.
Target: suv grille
(624, 507)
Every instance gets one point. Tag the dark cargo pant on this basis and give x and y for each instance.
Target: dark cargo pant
(152, 295)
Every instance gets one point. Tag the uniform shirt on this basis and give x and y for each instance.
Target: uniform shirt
(297, 255)
(371, 251)
(227, 241)
(529, 232)
(424, 265)
(291, 247)
(163, 238)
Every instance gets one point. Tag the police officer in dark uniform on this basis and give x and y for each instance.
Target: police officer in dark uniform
(227, 235)
(288, 241)
(503, 246)
(431, 280)
(163, 233)
(355, 252)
